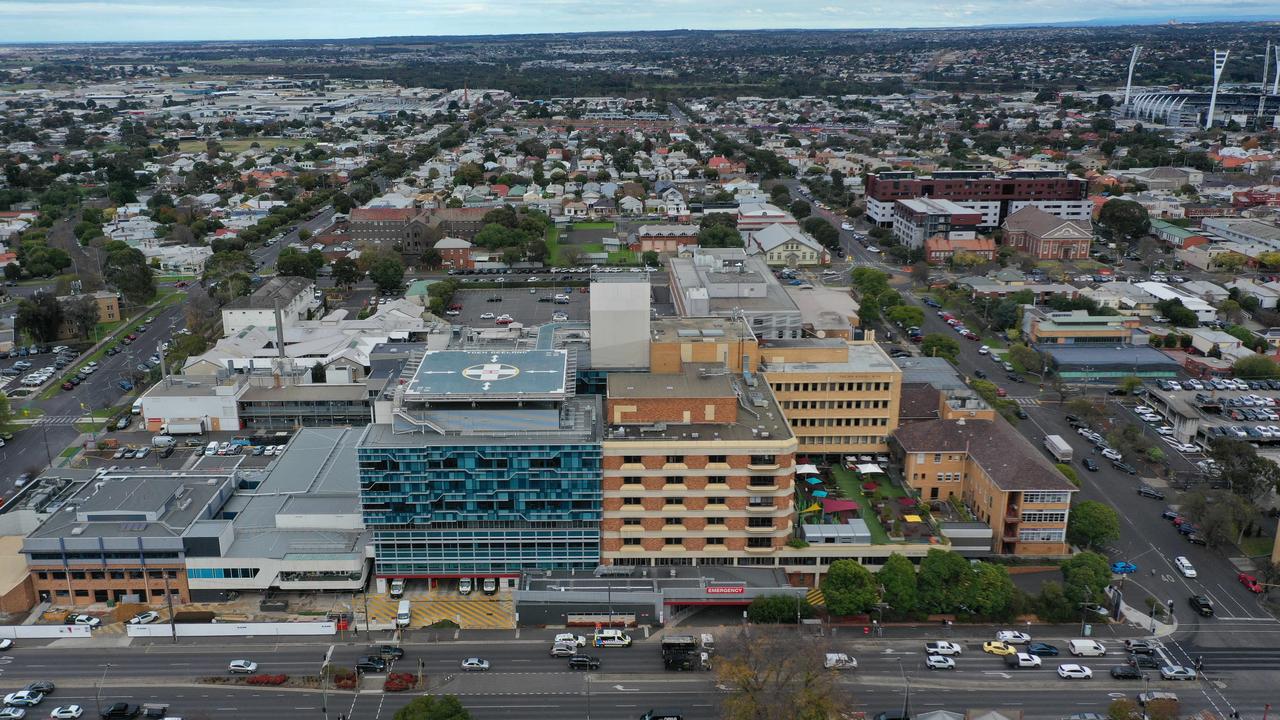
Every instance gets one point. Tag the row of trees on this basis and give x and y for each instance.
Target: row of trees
(42, 316)
(948, 584)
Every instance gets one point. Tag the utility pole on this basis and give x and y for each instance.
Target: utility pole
(97, 693)
(324, 683)
(173, 625)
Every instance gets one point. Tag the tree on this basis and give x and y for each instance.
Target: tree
(1177, 313)
(906, 315)
(1130, 383)
(822, 231)
(1231, 310)
(226, 275)
(935, 345)
(1247, 474)
(40, 317)
(126, 269)
(993, 591)
(1229, 261)
(433, 707)
(1052, 604)
(1092, 524)
(387, 273)
(304, 234)
(80, 313)
(719, 236)
(769, 675)
(342, 203)
(1023, 356)
(432, 258)
(1085, 576)
(1126, 218)
(849, 588)
(345, 272)
(945, 582)
(769, 609)
(1123, 709)
(294, 263)
(650, 258)
(1256, 366)
(1220, 516)
(801, 209)
(897, 577)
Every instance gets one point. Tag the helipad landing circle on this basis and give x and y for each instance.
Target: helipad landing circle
(490, 372)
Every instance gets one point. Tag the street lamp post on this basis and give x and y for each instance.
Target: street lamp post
(906, 688)
(97, 693)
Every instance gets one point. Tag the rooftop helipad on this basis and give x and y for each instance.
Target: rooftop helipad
(489, 375)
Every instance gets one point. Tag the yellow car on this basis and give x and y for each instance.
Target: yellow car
(995, 647)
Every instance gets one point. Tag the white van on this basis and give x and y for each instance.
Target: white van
(211, 448)
(404, 614)
(1084, 647)
(610, 637)
(137, 407)
(464, 586)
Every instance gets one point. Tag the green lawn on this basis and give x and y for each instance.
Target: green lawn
(591, 247)
(851, 489)
(553, 245)
(1256, 546)
(591, 226)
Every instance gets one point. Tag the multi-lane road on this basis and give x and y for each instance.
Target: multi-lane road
(525, 682)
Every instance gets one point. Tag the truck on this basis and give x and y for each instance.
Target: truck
(192, 426)
(681, 652)
(1058, 448)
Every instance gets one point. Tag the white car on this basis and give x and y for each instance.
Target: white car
(1164, 430)
(1186, 448)
(475, 663)
(1184, 566)
(1112, 454)
(983, 350)
(1177, 672)
(12, 713)
(560, 317)
(940, 662)
(487, 316)
(24, 698)
(79, 619)
(1074, 672)
(579, 640)
(1023, 660)
(67, 712)
(247, 667)
(144, 618)
(1013, 637)
(1144, 410)
(943, 647)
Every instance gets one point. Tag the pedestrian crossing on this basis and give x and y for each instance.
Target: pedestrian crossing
(1026, 401)
(58, 420)
(486, 612)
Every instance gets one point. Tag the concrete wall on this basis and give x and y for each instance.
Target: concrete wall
(233, 629)
(18, 632)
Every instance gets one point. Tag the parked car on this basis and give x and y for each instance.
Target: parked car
(1148, 491)
(1250, 583)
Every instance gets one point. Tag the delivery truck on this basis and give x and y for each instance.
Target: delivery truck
(1058, 448)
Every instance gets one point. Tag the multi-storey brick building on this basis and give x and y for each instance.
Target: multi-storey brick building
(1046, 236)
(994, 196)
(699, 468)
(969, 453)
(915, 221)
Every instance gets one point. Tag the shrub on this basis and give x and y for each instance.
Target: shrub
(266, 679)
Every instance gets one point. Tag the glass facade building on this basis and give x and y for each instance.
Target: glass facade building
(441, 510)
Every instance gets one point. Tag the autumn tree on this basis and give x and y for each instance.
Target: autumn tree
(770, 676)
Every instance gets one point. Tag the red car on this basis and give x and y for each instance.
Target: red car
(180, 284)
(1250, 582)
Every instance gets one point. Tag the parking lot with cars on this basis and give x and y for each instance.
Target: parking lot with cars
(528, 306)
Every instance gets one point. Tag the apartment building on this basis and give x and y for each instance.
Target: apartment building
(838, 397)
(993, 195)
(917, 220)
(699, 469)
(970, 454)
(294, 297)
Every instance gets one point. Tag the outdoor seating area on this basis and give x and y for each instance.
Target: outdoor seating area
(861, 491)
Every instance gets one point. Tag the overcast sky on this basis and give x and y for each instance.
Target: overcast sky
(91, 20)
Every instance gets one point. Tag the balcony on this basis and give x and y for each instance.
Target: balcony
(673, 528)
(674, 508)
(674, 466)
(717, 466)
(760, 550)
(762, 488)
(761, 509)
(764, 530)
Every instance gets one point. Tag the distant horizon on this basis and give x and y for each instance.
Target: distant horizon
(29, 22)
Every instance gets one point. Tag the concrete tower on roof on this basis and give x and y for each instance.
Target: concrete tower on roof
(620, 321)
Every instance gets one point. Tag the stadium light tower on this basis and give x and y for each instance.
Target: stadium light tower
(1262, 89)
(1133, 60)
(1219, 62)
(1275, 84)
